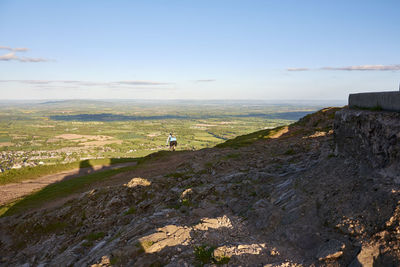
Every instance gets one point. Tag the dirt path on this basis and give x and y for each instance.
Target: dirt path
(10, 192)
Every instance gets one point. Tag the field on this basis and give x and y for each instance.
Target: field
(61, 132)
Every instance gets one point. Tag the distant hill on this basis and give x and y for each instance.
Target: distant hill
(295, 115)
(75, 102)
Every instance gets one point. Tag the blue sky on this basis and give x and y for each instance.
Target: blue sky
(198, 49)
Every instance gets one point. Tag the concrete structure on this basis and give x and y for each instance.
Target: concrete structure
(380, 100)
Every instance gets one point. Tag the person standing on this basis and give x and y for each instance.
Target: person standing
(171, 141)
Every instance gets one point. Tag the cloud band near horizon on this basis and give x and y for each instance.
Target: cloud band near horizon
(395, 67)
(112, 84)
(205, 81)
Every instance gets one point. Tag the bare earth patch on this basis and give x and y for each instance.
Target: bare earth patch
(317, 134)
(280, 133)
(153, 134)
(102, 143)
(205, 125)
(18, 136)
(5, 144)
(45, 126)
(227, 122)
(88, 140)
(83, 138)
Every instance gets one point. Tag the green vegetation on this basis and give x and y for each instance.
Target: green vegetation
(176, 175)
(18, 175)
(186, 202)
(90, 238)
(131, 210)
(50, 228)
(114, 260)
(95, 236)
(58, 190)
(67, 132)
(248, 139)
(146, 244)
(204, 254)
(34, 143)
(375, 108)
(231, 156)
(208, 165)
(290, 151)
(221, 260)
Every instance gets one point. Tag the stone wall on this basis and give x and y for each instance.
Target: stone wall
(381, 100)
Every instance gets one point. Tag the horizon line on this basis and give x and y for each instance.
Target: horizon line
(159, 99)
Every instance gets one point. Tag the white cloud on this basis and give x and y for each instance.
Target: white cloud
(205, 81)
(31, 59)
(297, 69)
(365, 67)
(82, 84)
(12, 55)
(354, 68)
(139, 83)
(18, 49)
(8, 56)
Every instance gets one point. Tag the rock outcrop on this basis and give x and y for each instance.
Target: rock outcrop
(310, 194)
(372, 137)
(369, 135)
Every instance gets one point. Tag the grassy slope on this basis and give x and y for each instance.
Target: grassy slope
(19, 175)
(248, 139)
(58, 190)
(310, 120)
(71, 186)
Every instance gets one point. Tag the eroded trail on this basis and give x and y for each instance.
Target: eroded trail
(13, 191)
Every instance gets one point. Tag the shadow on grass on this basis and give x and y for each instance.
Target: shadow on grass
(78, 183)
(27, 173)
(68, 185)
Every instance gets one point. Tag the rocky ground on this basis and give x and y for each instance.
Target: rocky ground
(297, 196)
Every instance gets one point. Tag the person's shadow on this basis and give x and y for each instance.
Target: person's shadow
(85, 167)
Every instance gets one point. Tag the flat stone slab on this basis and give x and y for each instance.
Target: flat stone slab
(379, 100)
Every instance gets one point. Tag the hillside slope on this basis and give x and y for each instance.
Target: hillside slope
(299, 195)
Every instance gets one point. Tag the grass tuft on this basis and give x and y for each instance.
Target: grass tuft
(290, 152)
(95, 236)
(131, 210)
(374, 108)
(204, 254)
(146, 244)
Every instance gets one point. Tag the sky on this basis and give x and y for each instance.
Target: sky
(205, 49)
